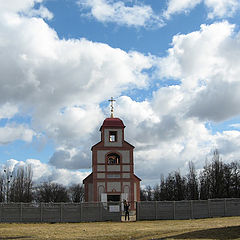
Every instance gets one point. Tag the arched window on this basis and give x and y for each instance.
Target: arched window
(113, 158)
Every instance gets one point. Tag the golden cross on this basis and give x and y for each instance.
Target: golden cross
(112, 100)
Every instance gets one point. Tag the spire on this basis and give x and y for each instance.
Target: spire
(112, 100)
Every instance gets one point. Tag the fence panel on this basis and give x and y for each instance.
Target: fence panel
(165, 210)
(146, 211)
(11, 212)
(71, 212)
(51, 212)
(91, 212)
(200, 209)
(31, 212)
(216, 208)
(232, 207)
(188, 209)
(183, 210)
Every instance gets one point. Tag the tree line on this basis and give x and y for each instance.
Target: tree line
(216, 180)
(18, 186)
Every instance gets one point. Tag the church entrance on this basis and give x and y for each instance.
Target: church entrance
(113, 198)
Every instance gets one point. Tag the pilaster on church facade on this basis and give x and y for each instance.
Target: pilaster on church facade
(112, 177)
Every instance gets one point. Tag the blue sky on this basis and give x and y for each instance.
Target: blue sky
(172, 66)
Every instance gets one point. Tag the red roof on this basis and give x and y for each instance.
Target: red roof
(112, 122)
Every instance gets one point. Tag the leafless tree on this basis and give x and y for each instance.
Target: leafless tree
(76, 193)
(21, 186)
(192, 183)
(51, 192)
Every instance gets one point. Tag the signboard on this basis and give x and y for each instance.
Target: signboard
(114, 208)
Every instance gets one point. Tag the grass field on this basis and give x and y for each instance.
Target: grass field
(212, 228)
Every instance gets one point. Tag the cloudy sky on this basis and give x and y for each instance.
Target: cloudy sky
(173, 67)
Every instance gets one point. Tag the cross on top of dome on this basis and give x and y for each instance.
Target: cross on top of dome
(112, 107)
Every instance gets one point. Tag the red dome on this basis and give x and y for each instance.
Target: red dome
(112, 122)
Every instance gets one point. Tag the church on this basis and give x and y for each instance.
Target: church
(112, 177)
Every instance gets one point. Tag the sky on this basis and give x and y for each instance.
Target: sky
(173, 67)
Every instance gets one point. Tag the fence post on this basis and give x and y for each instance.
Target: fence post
(41, 212)
(61, 210)
(100, 209)
(1, 212)
(225, 207)
(138, 211)
(191, 205)
(156, 210)
(209, 208)
(174, 210)
(81, 211)
(21, 211)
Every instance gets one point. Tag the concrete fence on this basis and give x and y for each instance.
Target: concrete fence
(112, 211)
(59, 212)
(188, 209)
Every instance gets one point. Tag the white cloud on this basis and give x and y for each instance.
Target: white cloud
(223, 8)
(60, 84)
(25, 7)
(10, 133)
(216, 8)
(235, 125)
(42, 12)
(205, 64)
(176, 6)
(118, 12)
(17, 6)
(8, 110)
(43, 172)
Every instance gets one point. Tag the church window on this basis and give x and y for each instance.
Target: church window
(112, 136)
(113, 158)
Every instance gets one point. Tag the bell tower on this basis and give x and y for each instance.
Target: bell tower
(112, 177)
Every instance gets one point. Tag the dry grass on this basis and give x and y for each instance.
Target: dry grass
(213, 228)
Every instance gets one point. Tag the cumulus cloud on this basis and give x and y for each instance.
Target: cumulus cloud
(61, 83)
(71, 158)
(216, 8)
(58, 81)
(208, 71)
(223, 8)
(10, 133)
(176, 6)
(171, 128)
(42, 172)
(137, 15)
(7, 110)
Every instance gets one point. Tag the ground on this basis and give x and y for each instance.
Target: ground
(204, 229)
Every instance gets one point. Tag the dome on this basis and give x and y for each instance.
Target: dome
(112, 122)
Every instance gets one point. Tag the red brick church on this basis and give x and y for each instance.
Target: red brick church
(112, 177)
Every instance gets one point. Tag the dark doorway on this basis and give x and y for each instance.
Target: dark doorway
(113, 198)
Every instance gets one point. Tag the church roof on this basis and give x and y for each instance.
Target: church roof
(112, 122)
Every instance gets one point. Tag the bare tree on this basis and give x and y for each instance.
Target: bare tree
(2, 193)
(51, 192)
(192, 183)
(21, 187)
(143, 195)
(149, 193)
(163, 189)
(235, 179)
(76, 193)
(156, 193)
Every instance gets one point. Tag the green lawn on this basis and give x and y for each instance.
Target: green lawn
(212, 228)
